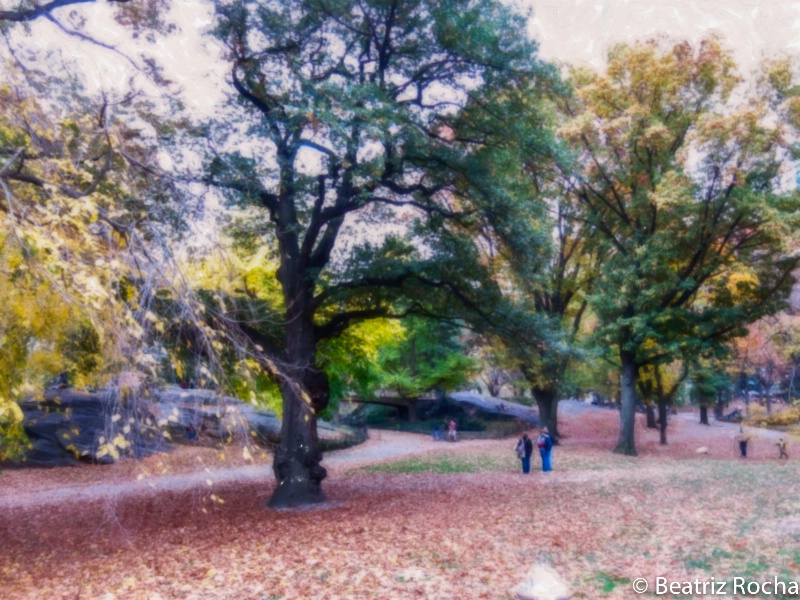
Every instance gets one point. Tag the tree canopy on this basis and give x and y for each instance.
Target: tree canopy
(357, 120)
(683, 186)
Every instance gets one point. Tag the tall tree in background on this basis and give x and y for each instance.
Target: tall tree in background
(559, 299)
(682, 182)
(357, 133)
(709, 381)
(660, 383)
(544, 264)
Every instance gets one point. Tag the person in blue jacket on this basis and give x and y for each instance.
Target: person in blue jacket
(545, 445)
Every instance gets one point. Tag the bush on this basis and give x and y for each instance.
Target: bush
(375, 414)
(758, 416)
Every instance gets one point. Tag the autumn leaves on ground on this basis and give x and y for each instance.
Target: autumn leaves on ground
(451, 522)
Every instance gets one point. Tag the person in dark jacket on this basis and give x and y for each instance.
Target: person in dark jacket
(524, 451)
(545, 445)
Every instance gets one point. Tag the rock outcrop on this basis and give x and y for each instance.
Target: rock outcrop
(68, 426)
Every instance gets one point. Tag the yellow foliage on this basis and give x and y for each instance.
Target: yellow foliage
(10, 412)
(757, 416)
(64, 191)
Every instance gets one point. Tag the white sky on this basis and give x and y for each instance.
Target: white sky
(568, 31)
(577, 31)
(582, 31)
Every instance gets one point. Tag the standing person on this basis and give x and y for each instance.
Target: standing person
(743, 439)
(452, 428)
(545, 445)
(524, 451)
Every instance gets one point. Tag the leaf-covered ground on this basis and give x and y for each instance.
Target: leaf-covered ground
(456, 521)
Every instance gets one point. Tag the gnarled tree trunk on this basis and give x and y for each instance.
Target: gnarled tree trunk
(305, 392)
(297, 461)
(304, 388)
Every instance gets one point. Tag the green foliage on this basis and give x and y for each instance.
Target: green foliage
(419, 180)
(696, 247)
(351, 360)
(681, 184)
(708, 381)
(81, 349)
(429, 357)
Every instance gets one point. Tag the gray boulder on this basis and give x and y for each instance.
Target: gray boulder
(67, 426)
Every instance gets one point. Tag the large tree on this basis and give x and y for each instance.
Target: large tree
(681, 179)
(369, 176)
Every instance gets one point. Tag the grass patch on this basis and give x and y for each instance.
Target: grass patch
(446, 464)
(698, 563)
(609, 582)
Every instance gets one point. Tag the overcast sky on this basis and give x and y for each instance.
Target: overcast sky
(568, 31)
(582, 31)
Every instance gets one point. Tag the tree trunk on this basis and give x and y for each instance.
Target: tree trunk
(543, 405)
(651, 417)
(408, 411)
(547, 402)
(626, 444)
(297, 460)
(718, 409)
(704, 415)
(662, 418)
(305, 392)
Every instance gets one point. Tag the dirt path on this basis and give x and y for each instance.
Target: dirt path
(26, 490)
(381, 446)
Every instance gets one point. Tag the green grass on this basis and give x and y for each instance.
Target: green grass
(608, 582)
(482, 462)
(698, 563)
(447, 464)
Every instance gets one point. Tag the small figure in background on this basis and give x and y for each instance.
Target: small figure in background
(743, 438)
(782, 446)
(524, 451)
(545, 445)
(452, 430)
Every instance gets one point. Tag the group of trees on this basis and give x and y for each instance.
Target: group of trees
(409, 160)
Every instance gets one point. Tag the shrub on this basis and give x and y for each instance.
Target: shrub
(758, 416)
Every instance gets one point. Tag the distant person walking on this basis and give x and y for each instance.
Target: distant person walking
(524, 451)
(545, 445)
(782, 449)
(743, 438)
